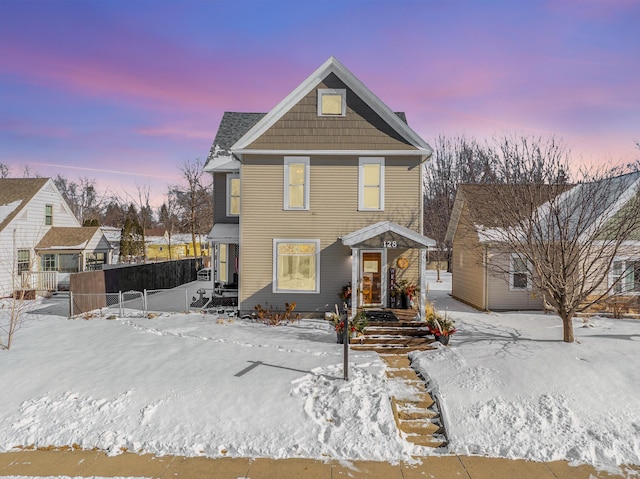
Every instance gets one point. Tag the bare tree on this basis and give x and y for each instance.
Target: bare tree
(82, 197)
(565, 237)
(456, 160)
(5, 171)
(167, 217)
(114, 212)
(12, 310)
(12, 318)
(195, 200)
(143, 212)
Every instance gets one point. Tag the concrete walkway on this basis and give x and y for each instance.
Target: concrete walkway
(95, 463)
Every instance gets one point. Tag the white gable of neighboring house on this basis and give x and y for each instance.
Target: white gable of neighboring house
(22, 221)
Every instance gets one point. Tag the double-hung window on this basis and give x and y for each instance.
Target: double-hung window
(296, 182)
(233, 194)
(223, 260)
(49, 262)
(519, 273)
(48, 215)
(371, 184)
(24, 260)
(296, 266)
(625, 276)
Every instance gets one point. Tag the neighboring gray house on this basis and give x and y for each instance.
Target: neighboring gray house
(478, 259)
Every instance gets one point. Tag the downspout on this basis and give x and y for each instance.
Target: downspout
(423, 284)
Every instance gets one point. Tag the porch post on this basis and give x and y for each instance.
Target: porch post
(423, 283)
(355, 286)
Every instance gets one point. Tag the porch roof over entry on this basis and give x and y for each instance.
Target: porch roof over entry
(375, 236)
(225, 233)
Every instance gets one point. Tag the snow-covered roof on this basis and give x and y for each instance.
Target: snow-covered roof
(6, 210)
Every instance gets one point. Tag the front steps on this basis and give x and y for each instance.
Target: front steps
(418, 417)
(394, 337)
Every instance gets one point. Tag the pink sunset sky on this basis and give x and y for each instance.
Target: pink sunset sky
(126, 91)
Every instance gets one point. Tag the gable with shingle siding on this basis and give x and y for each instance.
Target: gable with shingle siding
(302, 129)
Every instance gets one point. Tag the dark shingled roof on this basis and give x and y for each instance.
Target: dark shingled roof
(234, 125)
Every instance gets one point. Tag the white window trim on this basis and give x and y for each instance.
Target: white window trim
(332, 91)
(274, 282)
(378, 160)
(626, 260)
(220, 263)
(46, 207)
(231, 176)
(512, 272)
(289, 160)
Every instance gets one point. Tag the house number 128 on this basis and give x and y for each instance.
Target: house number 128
(390, 244)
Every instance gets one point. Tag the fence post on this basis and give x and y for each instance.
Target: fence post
(70, 304)
(120, 304)
(186, 300)
(144, 302)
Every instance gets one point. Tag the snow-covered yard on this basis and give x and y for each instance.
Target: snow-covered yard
(194, 384)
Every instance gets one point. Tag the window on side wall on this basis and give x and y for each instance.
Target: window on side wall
(519, 273)
(48, 215)
(233, 194)
(296, 266)
(371, 184)
(332, 102)
(24, 260)
(223, 261)
(49, 262)
(95, 261)
(296, 182)
(625, 276)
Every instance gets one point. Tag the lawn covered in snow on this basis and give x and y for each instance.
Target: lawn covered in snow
(194, 384)
(511, 388)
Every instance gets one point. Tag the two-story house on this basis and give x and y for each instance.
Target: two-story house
(322, 191)
(40, 234)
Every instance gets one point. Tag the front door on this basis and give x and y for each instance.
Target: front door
(372, 277)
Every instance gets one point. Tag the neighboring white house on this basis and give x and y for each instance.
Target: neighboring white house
(30, 209)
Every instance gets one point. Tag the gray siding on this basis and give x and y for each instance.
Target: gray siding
(503, 298)
(220, 200)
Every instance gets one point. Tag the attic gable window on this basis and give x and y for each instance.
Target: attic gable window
(332, 102)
